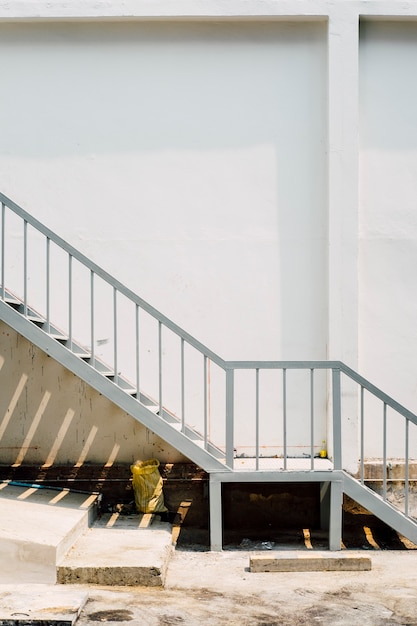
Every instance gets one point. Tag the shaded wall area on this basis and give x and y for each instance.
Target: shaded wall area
(49, 417)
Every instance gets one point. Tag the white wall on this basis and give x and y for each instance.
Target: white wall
(188, 160)
(213, 168)
(388, 208)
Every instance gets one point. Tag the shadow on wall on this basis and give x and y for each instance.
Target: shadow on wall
(48, 416)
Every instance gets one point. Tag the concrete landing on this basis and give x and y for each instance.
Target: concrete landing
(37, 527)
(309, 562)
(120, 550)
(40, 604)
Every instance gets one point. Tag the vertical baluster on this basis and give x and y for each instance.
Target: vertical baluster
(205, 403)
(137, 322)
(407, 469)
(3, 248)
(257, 417)
(284, 414)
(337, 419)
(70, 301)
(160, 365)
(230, 418)
(115, 364)
(182, 386)
(312, 419)
(92, 320)
(362, 437)
(384, 462)
(48, 285)
(25, 267)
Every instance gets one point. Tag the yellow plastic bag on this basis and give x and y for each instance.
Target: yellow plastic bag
(147, 486)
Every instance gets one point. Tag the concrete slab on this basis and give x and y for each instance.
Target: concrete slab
(40, 604)
(37, 527)
(309, 562)
(120, 550)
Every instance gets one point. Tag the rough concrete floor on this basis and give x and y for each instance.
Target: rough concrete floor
(217, 588)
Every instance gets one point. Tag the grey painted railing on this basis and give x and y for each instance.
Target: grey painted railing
(227, 396)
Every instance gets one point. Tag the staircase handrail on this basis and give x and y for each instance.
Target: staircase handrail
(114, 282)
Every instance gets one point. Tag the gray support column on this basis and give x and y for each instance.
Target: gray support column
(325, 505)
(336, 512)
(216, 517)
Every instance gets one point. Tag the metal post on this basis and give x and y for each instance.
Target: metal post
(25, 268)
(312, 419)
(115, 364)
(336, 512)
(230, 418)
(362, 437)
(325, 489)
(70, 301)
(3, 243)
(406, 481)
(48, 284)
(284, 414)
(337, 419)
(93, 339)
(205, 433)
(160, 365)
(257, 417)
(384, 454)
(216, 523)
(137, 335)
(182, 386)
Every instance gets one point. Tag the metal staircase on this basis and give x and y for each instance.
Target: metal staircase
(199, 403)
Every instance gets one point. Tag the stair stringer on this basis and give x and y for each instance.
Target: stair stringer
(379, 507)
(110, 390)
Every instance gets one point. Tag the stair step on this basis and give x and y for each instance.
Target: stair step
(38, 526)
(120, 550)
(211, 458)
(34, 605)
(10, 298)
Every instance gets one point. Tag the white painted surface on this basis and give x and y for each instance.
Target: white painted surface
(224, 177)
(173, 156)
(388, 217)
(189, 161)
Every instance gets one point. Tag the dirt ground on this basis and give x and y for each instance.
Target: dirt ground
(218, 588)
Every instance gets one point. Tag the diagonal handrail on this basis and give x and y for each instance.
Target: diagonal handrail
(231, 370)
(111, 280)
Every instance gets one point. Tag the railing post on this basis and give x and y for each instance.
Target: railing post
(3, 246)
(182, 385)
(205, 431)
(337, 419)
(25, 268)
(92, 319)
(70, 301)
(230, 417)
(115, 347)
(48, 284)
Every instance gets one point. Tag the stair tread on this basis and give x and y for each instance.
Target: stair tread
(109, 554)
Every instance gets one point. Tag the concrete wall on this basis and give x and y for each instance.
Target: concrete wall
(172, 154)
(50, 417)
(388, 217)
(246, 167)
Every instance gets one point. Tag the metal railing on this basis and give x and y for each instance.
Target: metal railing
(259, 409)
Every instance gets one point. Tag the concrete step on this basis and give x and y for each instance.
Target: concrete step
(120, 550)
(37, 604)
(37, 527)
